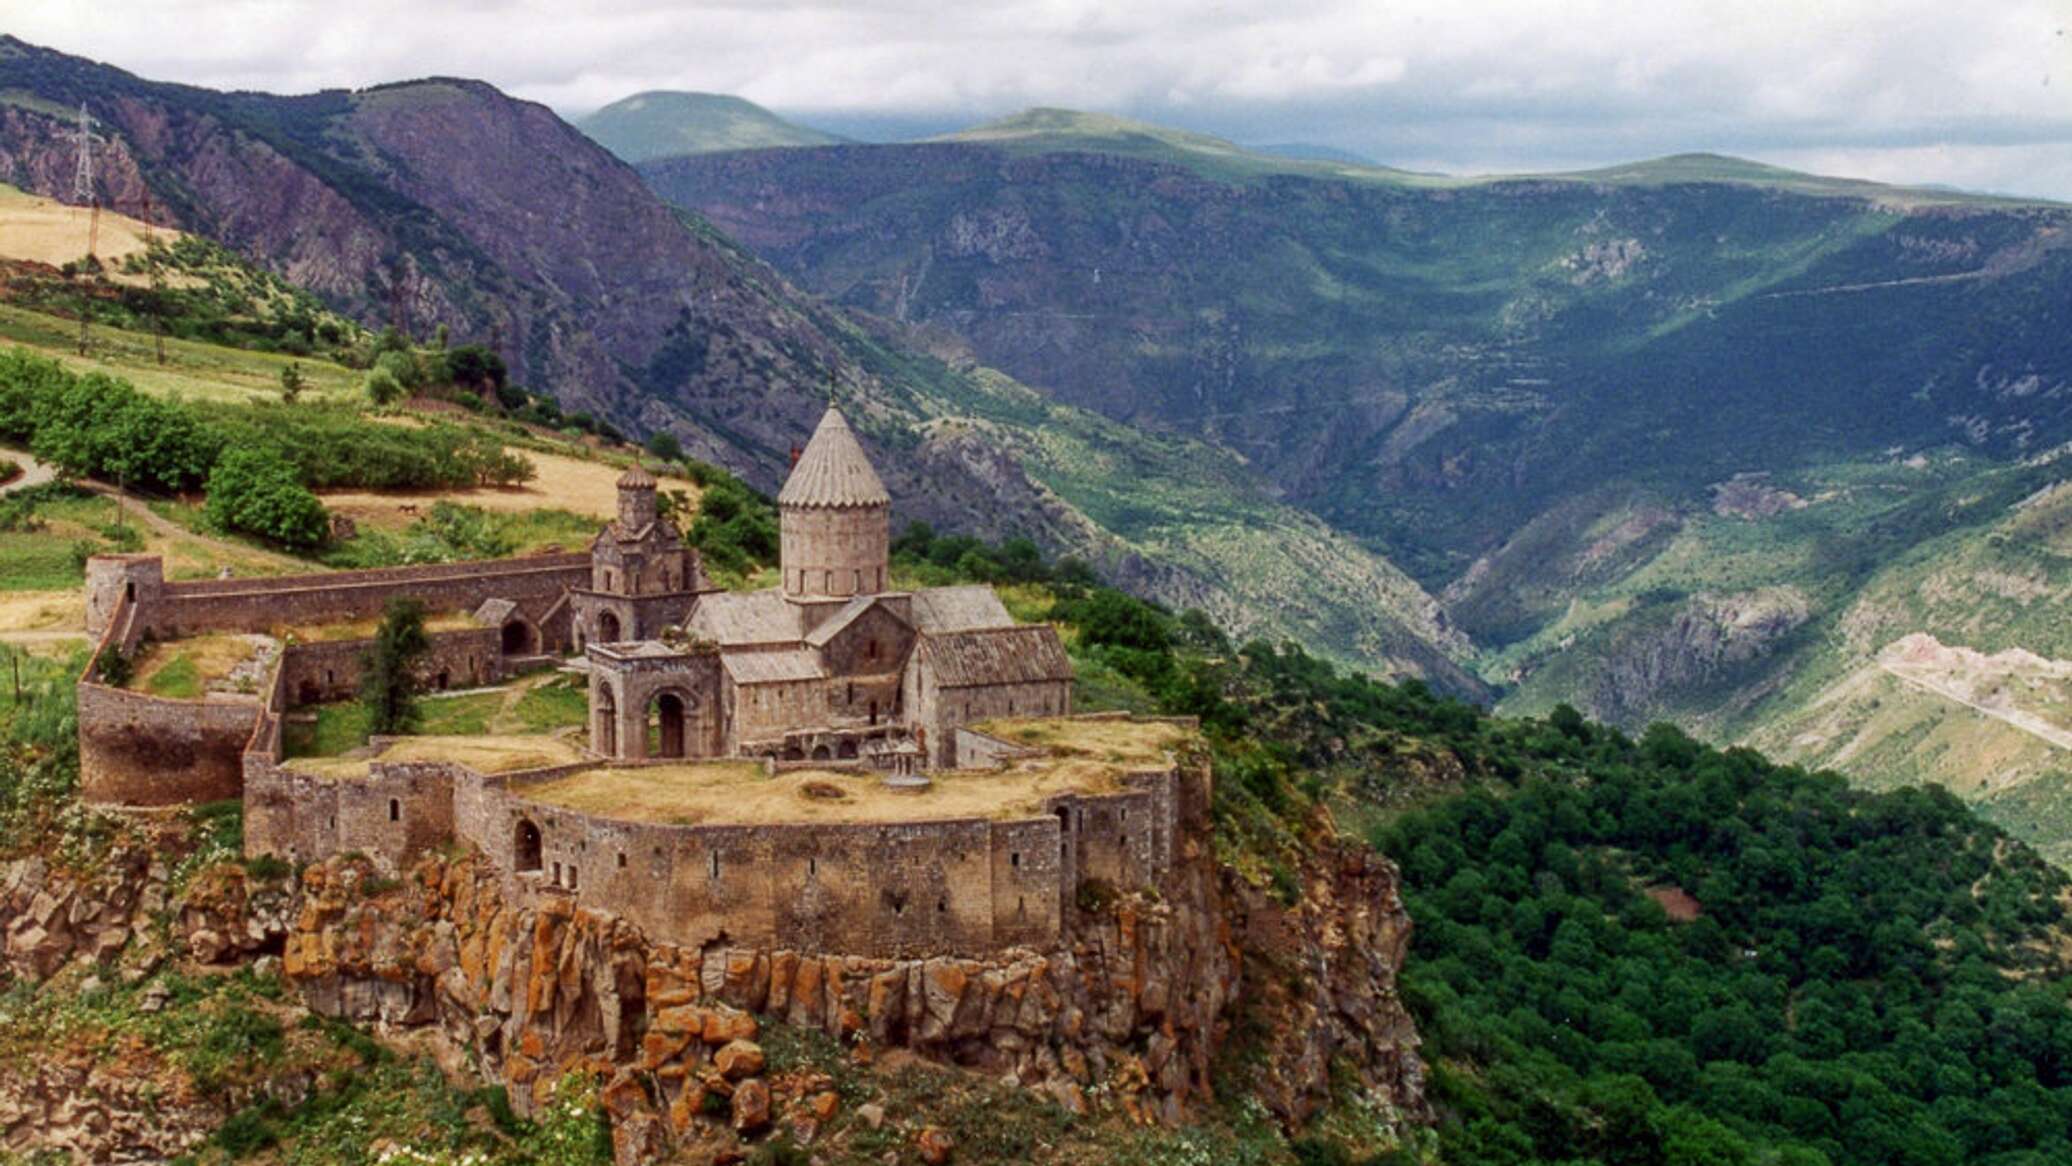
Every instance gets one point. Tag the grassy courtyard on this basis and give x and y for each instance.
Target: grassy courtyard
(534, 706)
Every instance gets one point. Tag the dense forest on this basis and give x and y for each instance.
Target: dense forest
(1639, 952)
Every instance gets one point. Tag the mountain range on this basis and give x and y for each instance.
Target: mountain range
(667, 124)
(1694, 438)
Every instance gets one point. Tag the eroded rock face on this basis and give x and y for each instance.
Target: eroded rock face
(1708, 635)
(49, 915)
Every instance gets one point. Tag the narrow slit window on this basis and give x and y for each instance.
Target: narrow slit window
(715, 864)
(395, 810)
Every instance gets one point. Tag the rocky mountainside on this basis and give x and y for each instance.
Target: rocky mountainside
(1433, 364)
(445, 202)
(1649, 432)
(667, 124)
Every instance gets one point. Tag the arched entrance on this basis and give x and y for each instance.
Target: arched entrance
(820, 753)
(518, 639)
(607, 628)
(525, 847)
(846, 750)
(666, 725)
(605, 717)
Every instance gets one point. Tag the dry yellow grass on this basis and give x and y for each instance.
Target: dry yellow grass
(41, 230)
(364, 629)
(559, 482)
(486, 754)
(736, 793)
(43, 611)
(1117, 741)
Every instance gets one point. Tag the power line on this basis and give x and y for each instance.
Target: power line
(83, 193)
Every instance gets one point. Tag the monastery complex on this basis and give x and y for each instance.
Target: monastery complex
(827, 765)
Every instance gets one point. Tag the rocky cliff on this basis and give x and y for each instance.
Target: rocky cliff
(1131, 1015)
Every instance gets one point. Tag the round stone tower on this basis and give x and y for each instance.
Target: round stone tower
(835, 518)
(636, 499)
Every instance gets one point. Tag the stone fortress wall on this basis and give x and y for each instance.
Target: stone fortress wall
(143, 750)
(963, 886)
(538, 584)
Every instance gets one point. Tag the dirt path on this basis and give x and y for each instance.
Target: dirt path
(34, 473)
(2028, 723)
(134, 508)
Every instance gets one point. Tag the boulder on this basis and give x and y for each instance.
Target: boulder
(751, 1106)
(738, 1059)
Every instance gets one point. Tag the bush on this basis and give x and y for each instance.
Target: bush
(383, 388)
(255, 490)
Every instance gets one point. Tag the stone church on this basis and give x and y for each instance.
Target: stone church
(830, 664)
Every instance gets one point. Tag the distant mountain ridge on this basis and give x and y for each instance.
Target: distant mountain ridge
(668, 123)
(1649, 431)
(446, 202)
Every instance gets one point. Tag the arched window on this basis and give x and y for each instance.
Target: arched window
(525, 847)
(395, 810)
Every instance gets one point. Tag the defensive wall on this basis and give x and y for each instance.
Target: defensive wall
(963, 886)
(537, 584)
(138, 749)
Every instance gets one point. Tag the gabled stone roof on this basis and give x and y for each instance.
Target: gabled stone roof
(850, 612)
(959, 609)
(494, 612)
(1022, 654)
(773, 667)
(757, 617)
(833, 471)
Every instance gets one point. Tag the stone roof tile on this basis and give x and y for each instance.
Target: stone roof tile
(1023, 654)
(834, 470)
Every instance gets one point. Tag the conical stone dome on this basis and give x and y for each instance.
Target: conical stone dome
(834, 470)
(834, 519)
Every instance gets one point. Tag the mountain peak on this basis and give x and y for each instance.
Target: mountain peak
(668, 123)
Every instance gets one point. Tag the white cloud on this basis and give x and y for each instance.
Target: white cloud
(1918, 90)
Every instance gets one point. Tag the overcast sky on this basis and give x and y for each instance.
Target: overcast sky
(1974, 93)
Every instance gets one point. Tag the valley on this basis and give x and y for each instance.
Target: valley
(1691, 439)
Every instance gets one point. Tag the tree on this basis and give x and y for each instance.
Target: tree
(388, 690)
(255, 490)
(292, 382)
(666, 447)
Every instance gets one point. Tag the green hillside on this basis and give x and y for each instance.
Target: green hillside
(665, 124)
